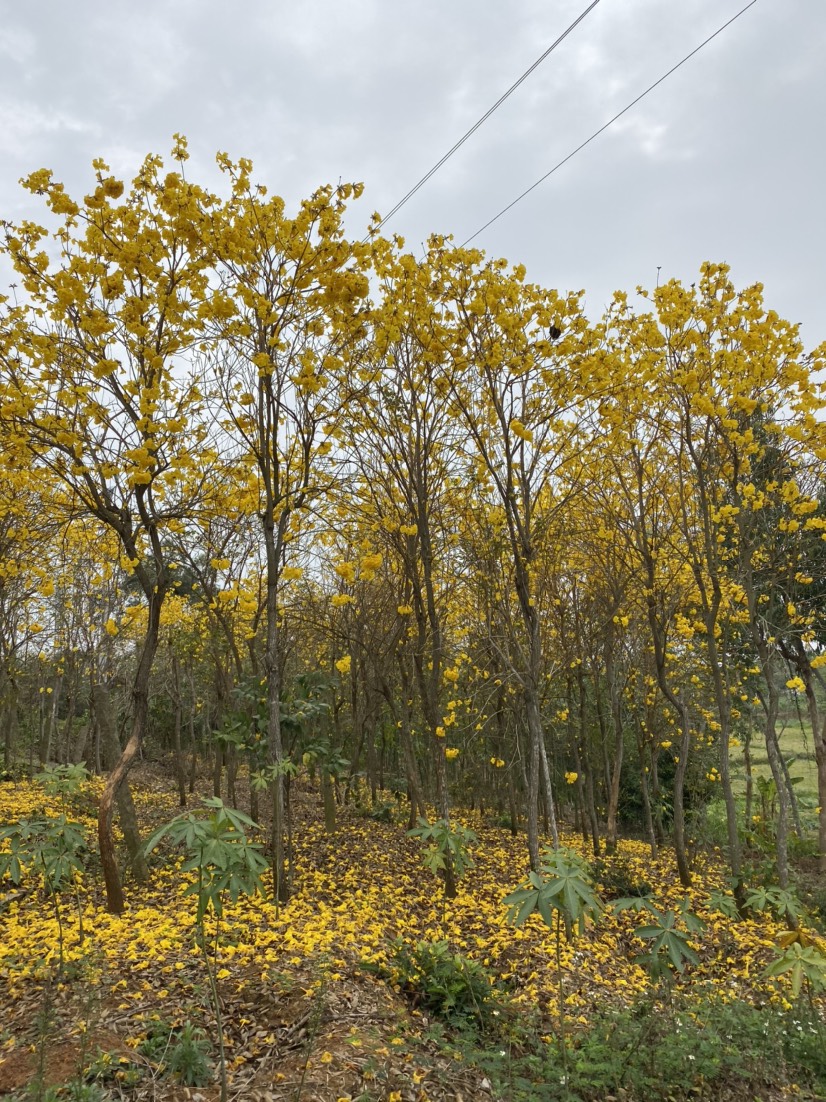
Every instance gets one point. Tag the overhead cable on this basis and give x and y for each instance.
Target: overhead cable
(483, 119)
(605, 126)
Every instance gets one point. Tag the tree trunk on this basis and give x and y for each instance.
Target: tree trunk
(111, 752)
(535, 734)
(749, 775)
(680, 849)
(548, 793)
(723, 701)
(8, 712)
(415, 795)
(616, 776)
(646, 794)
(180, 768)
(776, 765)
(582, 758)
(140, 709)
(193, 744)
(49, 727)
(328, 798)
(275, 746)
(512, 802)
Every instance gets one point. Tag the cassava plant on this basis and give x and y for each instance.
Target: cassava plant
(563, 896)
(226, 864)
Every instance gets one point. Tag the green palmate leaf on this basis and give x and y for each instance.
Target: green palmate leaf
(648, 931)
(797, 979)
(562, 888)
(517, 897)
(802, 963)
(680, 951)
(53, 848)
(545, 910)
(62, 780)
(219, 852)
(724, 904)
(694, 923)
(670, 947)
(434, 859)
(782, 902)
(448, 844)
(633, 903)
(526, 908)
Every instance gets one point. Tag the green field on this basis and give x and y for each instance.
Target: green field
(795, 740)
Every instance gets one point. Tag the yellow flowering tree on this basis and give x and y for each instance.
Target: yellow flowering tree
(95, 387)
(515, 384)
(404, 442)
(283, 325)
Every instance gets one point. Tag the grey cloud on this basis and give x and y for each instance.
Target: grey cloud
(723, 161)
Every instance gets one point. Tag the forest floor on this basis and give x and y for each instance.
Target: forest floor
(315, 1002)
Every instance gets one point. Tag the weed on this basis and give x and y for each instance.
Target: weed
(618, 878)
(187, 1059)
(178, 1051)
(700, 1048)
(447, 984)
(109, 1068)
(384, 812)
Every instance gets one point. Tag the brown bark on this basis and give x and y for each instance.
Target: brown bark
(111, 752)
(582, 759)
(115, 901)
(548, 792)
(328, 798)
(535, 733)
(8, 716)
(644, 757)
(180, 767)
(818, 723)
(619, 747)
(273, 541)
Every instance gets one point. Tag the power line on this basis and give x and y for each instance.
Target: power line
(484, 118)
(605, 126)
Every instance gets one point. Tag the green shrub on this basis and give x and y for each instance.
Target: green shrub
(815, 898)
(384, 812)
(78, 1091)
(187, 1059)
(446, 844)
(702, 1048)
(110, 1068)
(502, 820)
(75, 1090)
(618, 877)
(446, 984)
(155, 1044)
(181, 1051)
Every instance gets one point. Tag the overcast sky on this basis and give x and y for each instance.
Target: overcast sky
(724, 161)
